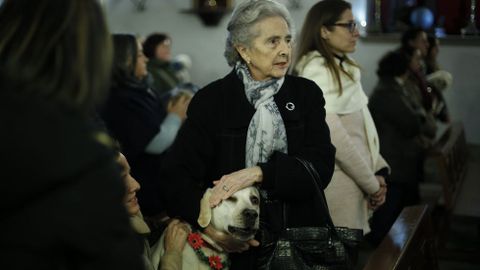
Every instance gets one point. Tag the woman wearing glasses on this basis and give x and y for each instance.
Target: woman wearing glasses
(329, 33)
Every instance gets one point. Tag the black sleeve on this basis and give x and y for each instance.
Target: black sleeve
(133, 121)
(383, 172)
(283, 172)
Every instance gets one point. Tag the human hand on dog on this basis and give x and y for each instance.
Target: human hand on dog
(176, 236)
(228, 242)
(231, 183)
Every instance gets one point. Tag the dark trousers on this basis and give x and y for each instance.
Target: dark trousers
(399, 195)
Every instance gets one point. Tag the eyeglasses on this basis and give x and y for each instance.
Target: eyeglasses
(351, 26)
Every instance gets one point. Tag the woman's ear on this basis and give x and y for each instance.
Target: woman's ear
(242, 51)
(324, 32)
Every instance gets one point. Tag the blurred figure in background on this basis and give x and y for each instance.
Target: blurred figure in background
(135, 116)
(432, 98)
(431, 61)
(62, 202)
(400, 120)
(436, 77)
(167, 73)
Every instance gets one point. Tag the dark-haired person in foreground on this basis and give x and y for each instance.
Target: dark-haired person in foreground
(62, 196)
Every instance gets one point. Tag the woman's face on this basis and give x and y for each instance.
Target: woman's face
(421, 43)
(131, 185)
(269, 54)
(342, 39)
(416, 60)
(141, 66)
(163, 51)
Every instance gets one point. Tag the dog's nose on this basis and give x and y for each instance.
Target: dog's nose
(250, 215)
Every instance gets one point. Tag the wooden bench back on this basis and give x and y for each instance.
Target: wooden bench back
(450, 153)
(408, 245)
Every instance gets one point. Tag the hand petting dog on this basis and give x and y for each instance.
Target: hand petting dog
(231, 183)
(176, 236)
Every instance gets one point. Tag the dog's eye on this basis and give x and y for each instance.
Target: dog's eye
(254, 200)
(232, 199)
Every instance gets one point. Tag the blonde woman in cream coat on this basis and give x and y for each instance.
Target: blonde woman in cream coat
(358, 183)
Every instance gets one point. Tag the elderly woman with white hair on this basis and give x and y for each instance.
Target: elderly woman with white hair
(250, 128)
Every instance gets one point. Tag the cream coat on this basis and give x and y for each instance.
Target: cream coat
(351, 128)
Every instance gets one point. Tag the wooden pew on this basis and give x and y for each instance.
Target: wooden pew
(408, 245)
(446, 165)
(450, 156)
(450, 153)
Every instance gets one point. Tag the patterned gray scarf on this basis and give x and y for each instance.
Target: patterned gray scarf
(266, 131)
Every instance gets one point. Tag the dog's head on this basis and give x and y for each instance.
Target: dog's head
(237, 215)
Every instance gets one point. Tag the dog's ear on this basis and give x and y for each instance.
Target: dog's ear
(205, 211)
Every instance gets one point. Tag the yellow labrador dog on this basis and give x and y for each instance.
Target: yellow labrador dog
(237, 216)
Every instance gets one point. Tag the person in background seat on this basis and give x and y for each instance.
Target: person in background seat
(401, 121)
(134, 115)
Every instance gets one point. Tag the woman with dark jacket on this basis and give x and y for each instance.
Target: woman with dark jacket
(134, 116)
(248, 128)
(62, 195)
(157, 48)
(401, 121)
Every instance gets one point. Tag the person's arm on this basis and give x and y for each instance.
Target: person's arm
(133, 120)
(175, 240)
(349, 158)
(177, 110)
(165, 137)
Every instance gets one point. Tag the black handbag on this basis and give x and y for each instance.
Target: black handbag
(317, 248)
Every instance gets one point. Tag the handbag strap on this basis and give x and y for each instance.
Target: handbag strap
(320, 195)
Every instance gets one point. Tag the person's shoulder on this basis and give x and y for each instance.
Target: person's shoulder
(388, 86)
(44, 144)
(217, 86)
(385, 89)
(312, 59)
(214, 91)
(47, 130)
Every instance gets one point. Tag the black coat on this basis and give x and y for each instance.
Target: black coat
(62, 195)
(133, 115)
(399, 123)
(211, 143)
